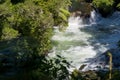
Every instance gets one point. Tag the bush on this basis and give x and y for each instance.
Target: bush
(105, 7)
(38, 68)
(8, 33)
(26, 28)
(118, 7)
(32, 19)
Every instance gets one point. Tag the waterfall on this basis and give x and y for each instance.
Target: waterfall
(94, 17)
(80, 42)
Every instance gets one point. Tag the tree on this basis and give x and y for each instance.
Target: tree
(25, 32)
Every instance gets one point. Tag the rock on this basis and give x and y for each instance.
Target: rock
(80, 8)
(82, 66)
(76, 13)
(101, 62)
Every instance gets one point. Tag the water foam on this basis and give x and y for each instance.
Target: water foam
(80, 41)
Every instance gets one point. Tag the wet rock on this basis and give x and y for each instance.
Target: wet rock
(81, 8)
(76, 13)
(87, 75)
(101, 62)
(82, 66)
(90, 75)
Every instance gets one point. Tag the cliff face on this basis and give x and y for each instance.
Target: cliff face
(84, 7)
(80, 8)
(102, 61)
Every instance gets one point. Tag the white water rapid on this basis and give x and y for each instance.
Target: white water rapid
(82, 41)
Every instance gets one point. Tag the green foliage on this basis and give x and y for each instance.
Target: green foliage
(116, 1)
(87, 75)
(8, 33)
(62, 19)
(76, 75)
(95, 75)
(118, 6)
(63, 14)
(28, 21)
(39, 68)
(103, 3)
(26, 28)
(33, 21)
(55, 8)
(105, 7)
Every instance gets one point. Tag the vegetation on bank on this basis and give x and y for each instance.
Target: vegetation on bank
(26, 27)
(80, 8)
(106, 7)
(32, 20)
(95, 75)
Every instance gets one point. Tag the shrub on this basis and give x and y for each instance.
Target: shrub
(32, 19)
(118, 7)
(105, 7)
(26, 28)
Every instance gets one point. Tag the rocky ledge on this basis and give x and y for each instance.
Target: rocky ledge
(101, 62)
(80, 8)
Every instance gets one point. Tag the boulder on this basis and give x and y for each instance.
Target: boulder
(101, 62)
(80, 8)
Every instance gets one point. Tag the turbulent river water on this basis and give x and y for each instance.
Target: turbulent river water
(86, 39)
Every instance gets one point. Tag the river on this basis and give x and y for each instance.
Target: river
(86, 39)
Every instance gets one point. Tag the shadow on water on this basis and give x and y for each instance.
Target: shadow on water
(105, 34)
(16, 62)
